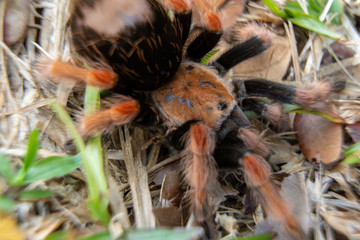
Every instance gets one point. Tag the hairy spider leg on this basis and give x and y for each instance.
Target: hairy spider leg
(239, 53)
(178, 6)
(202, 44)
(199, 168)
(307, 96)
(257, 175)
(119, 114)
(57, 71)
(208, 14)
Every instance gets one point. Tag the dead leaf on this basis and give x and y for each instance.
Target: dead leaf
(17, 15)
(354, 131)
(345, 222)
(45, 226)
(271, 64)
(340, 50)
(318, 137)
(169, 216)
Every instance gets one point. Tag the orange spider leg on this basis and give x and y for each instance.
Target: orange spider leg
(258, 175)
(200, 167)
(59, 70)
(178, 6)
(209, 15)
(118, 114)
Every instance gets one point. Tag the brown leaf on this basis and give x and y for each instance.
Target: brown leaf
(318, 137)
(171, 188)
(341, 51)
(354, 131)
(169, 216)
(17, 15)
(271, 64)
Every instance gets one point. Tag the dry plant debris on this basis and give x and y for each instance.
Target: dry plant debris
(147, 192)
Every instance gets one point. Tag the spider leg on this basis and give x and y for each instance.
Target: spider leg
(57, 71)
(239, 53)
(239, 149)
(202, 45)
(306, 96)
(119, 114)
(178, 6)
(257, 175)
(199, 168)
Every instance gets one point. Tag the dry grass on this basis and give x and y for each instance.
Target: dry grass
(24, 101)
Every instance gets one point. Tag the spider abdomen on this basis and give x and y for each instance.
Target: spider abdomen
(144, 55)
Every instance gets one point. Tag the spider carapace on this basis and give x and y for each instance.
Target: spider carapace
(136, 49)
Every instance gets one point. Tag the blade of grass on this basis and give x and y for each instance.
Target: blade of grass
(52, 167)
(96, 193)
(66, 119)
(265, 236)
(352, 149)
(275, 9)
(328, 115)
(94, 166)
(30, 157)
(35, 194)
(6, 204)
(315, 26)
(6, 169)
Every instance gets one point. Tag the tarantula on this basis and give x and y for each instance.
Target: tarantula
(136, 49)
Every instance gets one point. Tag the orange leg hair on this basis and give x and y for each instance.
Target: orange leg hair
(178, 6)
(118, 114)
(257, 174)
(200, 168)
(57, 70)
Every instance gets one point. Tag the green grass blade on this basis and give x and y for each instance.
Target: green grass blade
(94, 165)
(335, 118)
(32, 150)
(6, 204)
(29, 159)
(35, 194)
(275, 9)
(60, 235)
(315, 26)
(352, 149)
(6, 169)
(265, 236)
(66, 119)
(353, 159)
(98, 236)
(52, 167)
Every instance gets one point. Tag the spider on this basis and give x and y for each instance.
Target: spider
(136, 49)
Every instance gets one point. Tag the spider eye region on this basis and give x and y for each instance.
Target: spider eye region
(200, 95)
(222, 105)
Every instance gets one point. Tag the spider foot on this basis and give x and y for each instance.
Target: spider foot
(212, 21)
(310, 95)
(57, 71)
(118, 114)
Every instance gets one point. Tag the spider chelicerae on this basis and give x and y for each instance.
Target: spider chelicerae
(136, 49)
